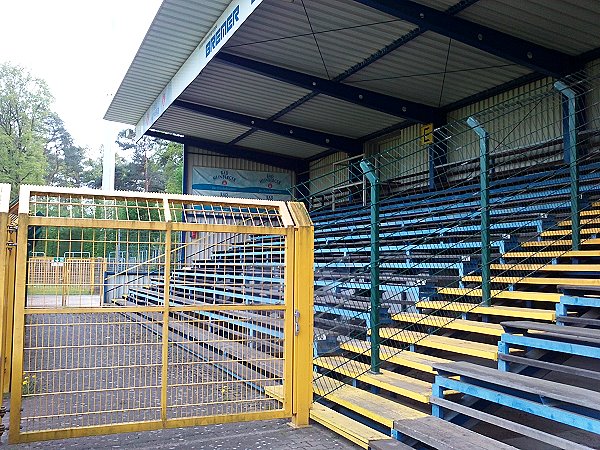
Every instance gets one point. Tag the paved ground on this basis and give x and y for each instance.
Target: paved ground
(266, 435)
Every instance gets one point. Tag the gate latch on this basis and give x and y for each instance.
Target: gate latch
(296, 322)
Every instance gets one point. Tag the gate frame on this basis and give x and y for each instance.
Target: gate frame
(298, 232)
(5, 289)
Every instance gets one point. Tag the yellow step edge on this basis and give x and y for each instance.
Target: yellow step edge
(447, 344)
(595, 219)
(549, 267)
(559, 242)
(536, 280)
(554, 254)
(351, 429)
(505, 295)
(505, 311)
(555, 243)
(451, 323)
(412, 360)
(379, 409)
(567, 232)
(393, 382)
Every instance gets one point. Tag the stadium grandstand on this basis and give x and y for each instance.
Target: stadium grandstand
(445, 283)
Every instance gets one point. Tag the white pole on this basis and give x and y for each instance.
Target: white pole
(108, 160)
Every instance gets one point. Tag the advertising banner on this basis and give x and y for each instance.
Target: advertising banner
(241, 183)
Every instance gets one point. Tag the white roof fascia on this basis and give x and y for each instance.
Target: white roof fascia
(224, 28)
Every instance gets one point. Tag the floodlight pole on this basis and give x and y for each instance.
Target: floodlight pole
(484, 181)
(570, 148)
(370, 173)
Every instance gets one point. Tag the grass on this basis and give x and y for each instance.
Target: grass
(59, 290)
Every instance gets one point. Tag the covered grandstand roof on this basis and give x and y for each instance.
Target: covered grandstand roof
(296, 79)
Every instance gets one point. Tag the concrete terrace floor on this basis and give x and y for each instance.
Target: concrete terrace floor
(263, 435)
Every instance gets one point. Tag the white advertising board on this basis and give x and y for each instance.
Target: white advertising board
(241, 183)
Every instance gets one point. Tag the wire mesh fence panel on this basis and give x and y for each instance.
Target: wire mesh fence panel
(90, 369)
(433, 258)
(138, 311)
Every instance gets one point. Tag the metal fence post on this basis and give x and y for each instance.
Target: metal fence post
(303, 307)
(4, 266)
(484, 181)
(369, 172)
(570, 146)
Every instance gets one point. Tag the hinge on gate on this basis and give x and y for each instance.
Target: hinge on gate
(11, 244)
(296, 322)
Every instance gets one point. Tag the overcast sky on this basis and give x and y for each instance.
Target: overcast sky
(82, 48)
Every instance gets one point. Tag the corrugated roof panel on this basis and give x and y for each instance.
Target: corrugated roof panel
(183, 21)
(328, 15)
(440, 5)
(416, 71)
(277, 19)
(273, 20)
(234, 89)
(345, 32)
(358, 44)
(571, 26)
(268, 142)
(181, 121)
(294, 53)
(339, 117)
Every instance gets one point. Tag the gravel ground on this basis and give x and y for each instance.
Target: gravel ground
(263, 435)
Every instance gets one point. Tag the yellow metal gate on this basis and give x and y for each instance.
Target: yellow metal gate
(141, 311)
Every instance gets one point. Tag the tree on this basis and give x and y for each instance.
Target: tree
(24, 108)
(154, 165)
(92, 173)
(138, 173)
(65, 159)
(171, 161)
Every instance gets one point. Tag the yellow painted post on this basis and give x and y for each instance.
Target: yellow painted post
(6, 286)
(18, 331)
(165, 327)
(303, 315)
(289, 342)
(103, 269)
(92, 264)
(65, 276)
(10, 309)
(3, 292)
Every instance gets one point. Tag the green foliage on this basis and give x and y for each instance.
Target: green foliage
(24, 108)
(171, 159)
(36, 148)
(155, 165)
(66, 161)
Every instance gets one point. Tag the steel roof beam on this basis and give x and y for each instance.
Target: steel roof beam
(301, 134)
(234, 151)
(394, 106)
(374, 57)
(533, 56)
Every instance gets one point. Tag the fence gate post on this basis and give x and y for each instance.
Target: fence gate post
(369, 172)
(303, 292)
(4, 292)
(570, 147)
(19, 325)
(484, 181)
